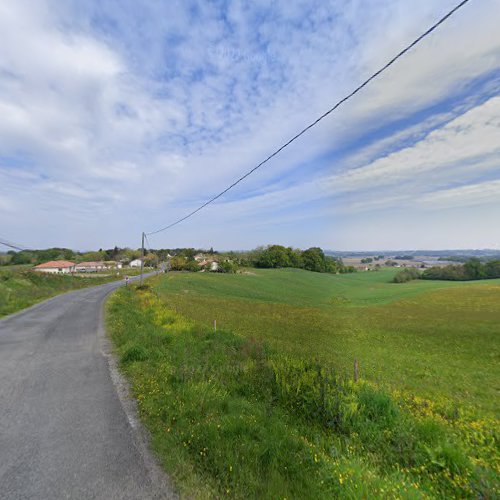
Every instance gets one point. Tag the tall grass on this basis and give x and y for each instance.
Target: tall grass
(231, 417)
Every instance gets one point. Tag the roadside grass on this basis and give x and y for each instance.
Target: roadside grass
(437, 340)
(232, 416)
(21, 288)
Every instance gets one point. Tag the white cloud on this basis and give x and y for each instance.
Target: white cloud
(483, 193)
(157, 104)
(464, 146)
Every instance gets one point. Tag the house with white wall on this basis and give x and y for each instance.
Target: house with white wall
(89, 267)
(56, 267)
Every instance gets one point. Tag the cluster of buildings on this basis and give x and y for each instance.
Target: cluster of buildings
(207, 262)
(67, 267)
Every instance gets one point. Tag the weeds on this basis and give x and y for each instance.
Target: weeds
(230, 417)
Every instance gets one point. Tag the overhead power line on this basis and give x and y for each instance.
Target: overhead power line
(324, 115)
(11, 245)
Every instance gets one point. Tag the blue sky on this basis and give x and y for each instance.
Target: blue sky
(121, 116)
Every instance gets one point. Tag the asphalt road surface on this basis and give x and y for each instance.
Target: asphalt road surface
(63, 429)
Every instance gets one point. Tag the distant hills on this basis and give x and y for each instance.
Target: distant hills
(428, 253)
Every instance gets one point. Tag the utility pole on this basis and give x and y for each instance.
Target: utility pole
(142, 257)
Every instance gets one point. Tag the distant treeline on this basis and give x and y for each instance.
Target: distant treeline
(39, 256)
(472, 269)
(269, 257)
(278, 256)
(272, 256)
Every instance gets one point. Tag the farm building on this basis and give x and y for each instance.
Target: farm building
(112, 264)
(56, 267)
(89, 267)
(135, 263)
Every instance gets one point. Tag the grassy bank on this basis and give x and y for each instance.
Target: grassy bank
(231, 415)
(21, 288)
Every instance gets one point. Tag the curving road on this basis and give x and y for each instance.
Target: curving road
(63, 429)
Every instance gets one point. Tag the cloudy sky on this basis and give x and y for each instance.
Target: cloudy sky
(121, 116)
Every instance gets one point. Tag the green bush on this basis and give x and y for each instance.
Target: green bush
(406, 275)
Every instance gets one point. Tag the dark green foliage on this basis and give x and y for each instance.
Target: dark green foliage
(227, 266)
(492, 269)
(191, 265)
(274, 256)
(472, 269)
(406, 275)
(312, 259)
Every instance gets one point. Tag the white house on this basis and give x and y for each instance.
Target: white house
(89, 267)
(56, 267)
(135, 263)
(112, 264)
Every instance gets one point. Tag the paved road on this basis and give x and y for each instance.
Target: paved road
(63, 430)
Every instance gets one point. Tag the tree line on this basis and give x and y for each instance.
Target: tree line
(183, 259)
(472, 269)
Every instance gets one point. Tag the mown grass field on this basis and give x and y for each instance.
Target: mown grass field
(21, 288)
(266, 407)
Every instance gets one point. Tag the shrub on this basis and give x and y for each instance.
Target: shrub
(406, 275)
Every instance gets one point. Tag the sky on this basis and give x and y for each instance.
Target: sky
(118, 117)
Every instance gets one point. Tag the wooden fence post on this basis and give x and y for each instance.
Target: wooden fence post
(215, 325)
(356, 367)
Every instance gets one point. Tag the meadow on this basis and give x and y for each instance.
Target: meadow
(433, 338)
(265, 407)
(21, 288)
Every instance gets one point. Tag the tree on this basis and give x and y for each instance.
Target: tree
(226, 266)
(492, 269)
(274, 256)
(22, 257)
(406, 275)
(314, 260)
(474, 269)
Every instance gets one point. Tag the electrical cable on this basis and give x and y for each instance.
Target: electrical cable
(315, 122)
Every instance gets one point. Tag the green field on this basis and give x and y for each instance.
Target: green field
(433, 338)
(265, 407)
(21, 288)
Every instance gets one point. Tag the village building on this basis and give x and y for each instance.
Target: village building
(56, 267)
(112, 264)
(209, 264)
(89, 267)
(135, 263)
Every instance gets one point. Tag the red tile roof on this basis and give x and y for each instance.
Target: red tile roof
(55, 264)
(90, 264)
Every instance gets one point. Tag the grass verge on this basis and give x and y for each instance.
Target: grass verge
(21, 288)
(230, 417)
